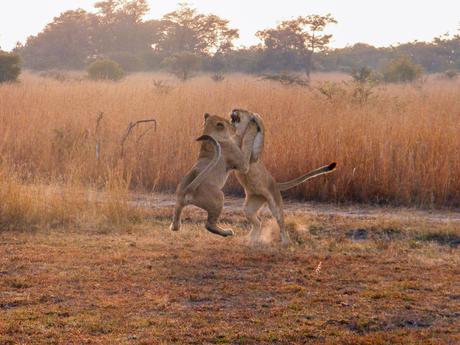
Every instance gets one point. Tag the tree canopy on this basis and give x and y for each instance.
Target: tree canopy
(298, 38)
(118, 30)
(186, 30)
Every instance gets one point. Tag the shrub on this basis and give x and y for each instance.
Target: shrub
(287, 79)
(9, 67)
(402, 70)
(218, 77)
(105, 69)
(162, 87)
(364, 81)
(365, 75)
(451, 74)
(331, 90)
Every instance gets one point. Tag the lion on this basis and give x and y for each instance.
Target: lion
(220, 153)
(259, 185)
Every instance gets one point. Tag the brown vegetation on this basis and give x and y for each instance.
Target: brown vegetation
(399, 145)
(83, 260)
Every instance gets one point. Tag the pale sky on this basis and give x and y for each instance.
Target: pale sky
(380, 23)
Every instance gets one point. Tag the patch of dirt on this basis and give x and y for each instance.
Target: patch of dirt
(386, 234)
(362, 325)
(233, 204)
(451, 240)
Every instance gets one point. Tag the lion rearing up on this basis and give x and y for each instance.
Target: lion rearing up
(219, 154)
(259, 185)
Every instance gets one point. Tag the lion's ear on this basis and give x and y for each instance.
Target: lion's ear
(206, 115)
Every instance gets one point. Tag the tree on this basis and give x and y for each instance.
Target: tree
(9, 67)
(353, 57)
(183, 65)
(77, 36)
(302, 36)
(114, 10)
(128, 61)
(121, 28)
(186, 30)
(64, 43)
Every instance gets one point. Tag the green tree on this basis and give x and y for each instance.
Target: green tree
(105, 69)
(9, 67)
(113, 10)
(128, 61)
(64, 43)
(186, 30)
(74, 37)
(121, 28)
(303, 36)
(183, 65)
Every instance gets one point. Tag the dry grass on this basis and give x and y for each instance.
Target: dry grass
(82, 262)
(379, 282)
(399, 147)
(31, 207)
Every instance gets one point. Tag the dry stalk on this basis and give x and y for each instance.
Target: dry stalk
(100, 116)
(131, 126)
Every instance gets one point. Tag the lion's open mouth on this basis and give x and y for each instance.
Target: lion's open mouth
(235, 117)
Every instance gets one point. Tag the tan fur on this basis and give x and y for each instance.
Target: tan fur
(220, 153)
(259, 185)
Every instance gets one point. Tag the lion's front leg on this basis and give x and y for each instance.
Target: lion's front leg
(259, 139)
(242, 157)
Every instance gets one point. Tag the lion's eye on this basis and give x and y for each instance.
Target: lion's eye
(220, 125)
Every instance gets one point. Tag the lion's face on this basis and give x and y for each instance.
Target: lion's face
(240, 120)
(218, 127)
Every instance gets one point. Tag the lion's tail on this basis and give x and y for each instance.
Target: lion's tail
(204, 174)
(295, 182)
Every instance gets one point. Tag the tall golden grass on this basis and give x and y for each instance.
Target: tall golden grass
(34, 206)
(401, 146)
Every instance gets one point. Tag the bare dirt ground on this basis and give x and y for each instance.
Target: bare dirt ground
(353, 275)
(234, 204)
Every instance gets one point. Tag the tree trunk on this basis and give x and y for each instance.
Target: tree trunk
(308, 63)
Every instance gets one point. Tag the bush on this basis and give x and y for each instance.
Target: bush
(365, 75)
(105, 69)
(451, 74)
(402, 70)
(218, 77)
(287, 79)
(9, 67)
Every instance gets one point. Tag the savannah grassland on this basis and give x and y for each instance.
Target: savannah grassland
(84, 260)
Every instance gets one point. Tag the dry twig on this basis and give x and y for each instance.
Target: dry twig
(131, 126)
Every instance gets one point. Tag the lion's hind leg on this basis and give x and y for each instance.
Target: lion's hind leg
(211, 199)
(252, 206)
(181, 200)
(176, 222)
(276, 207)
